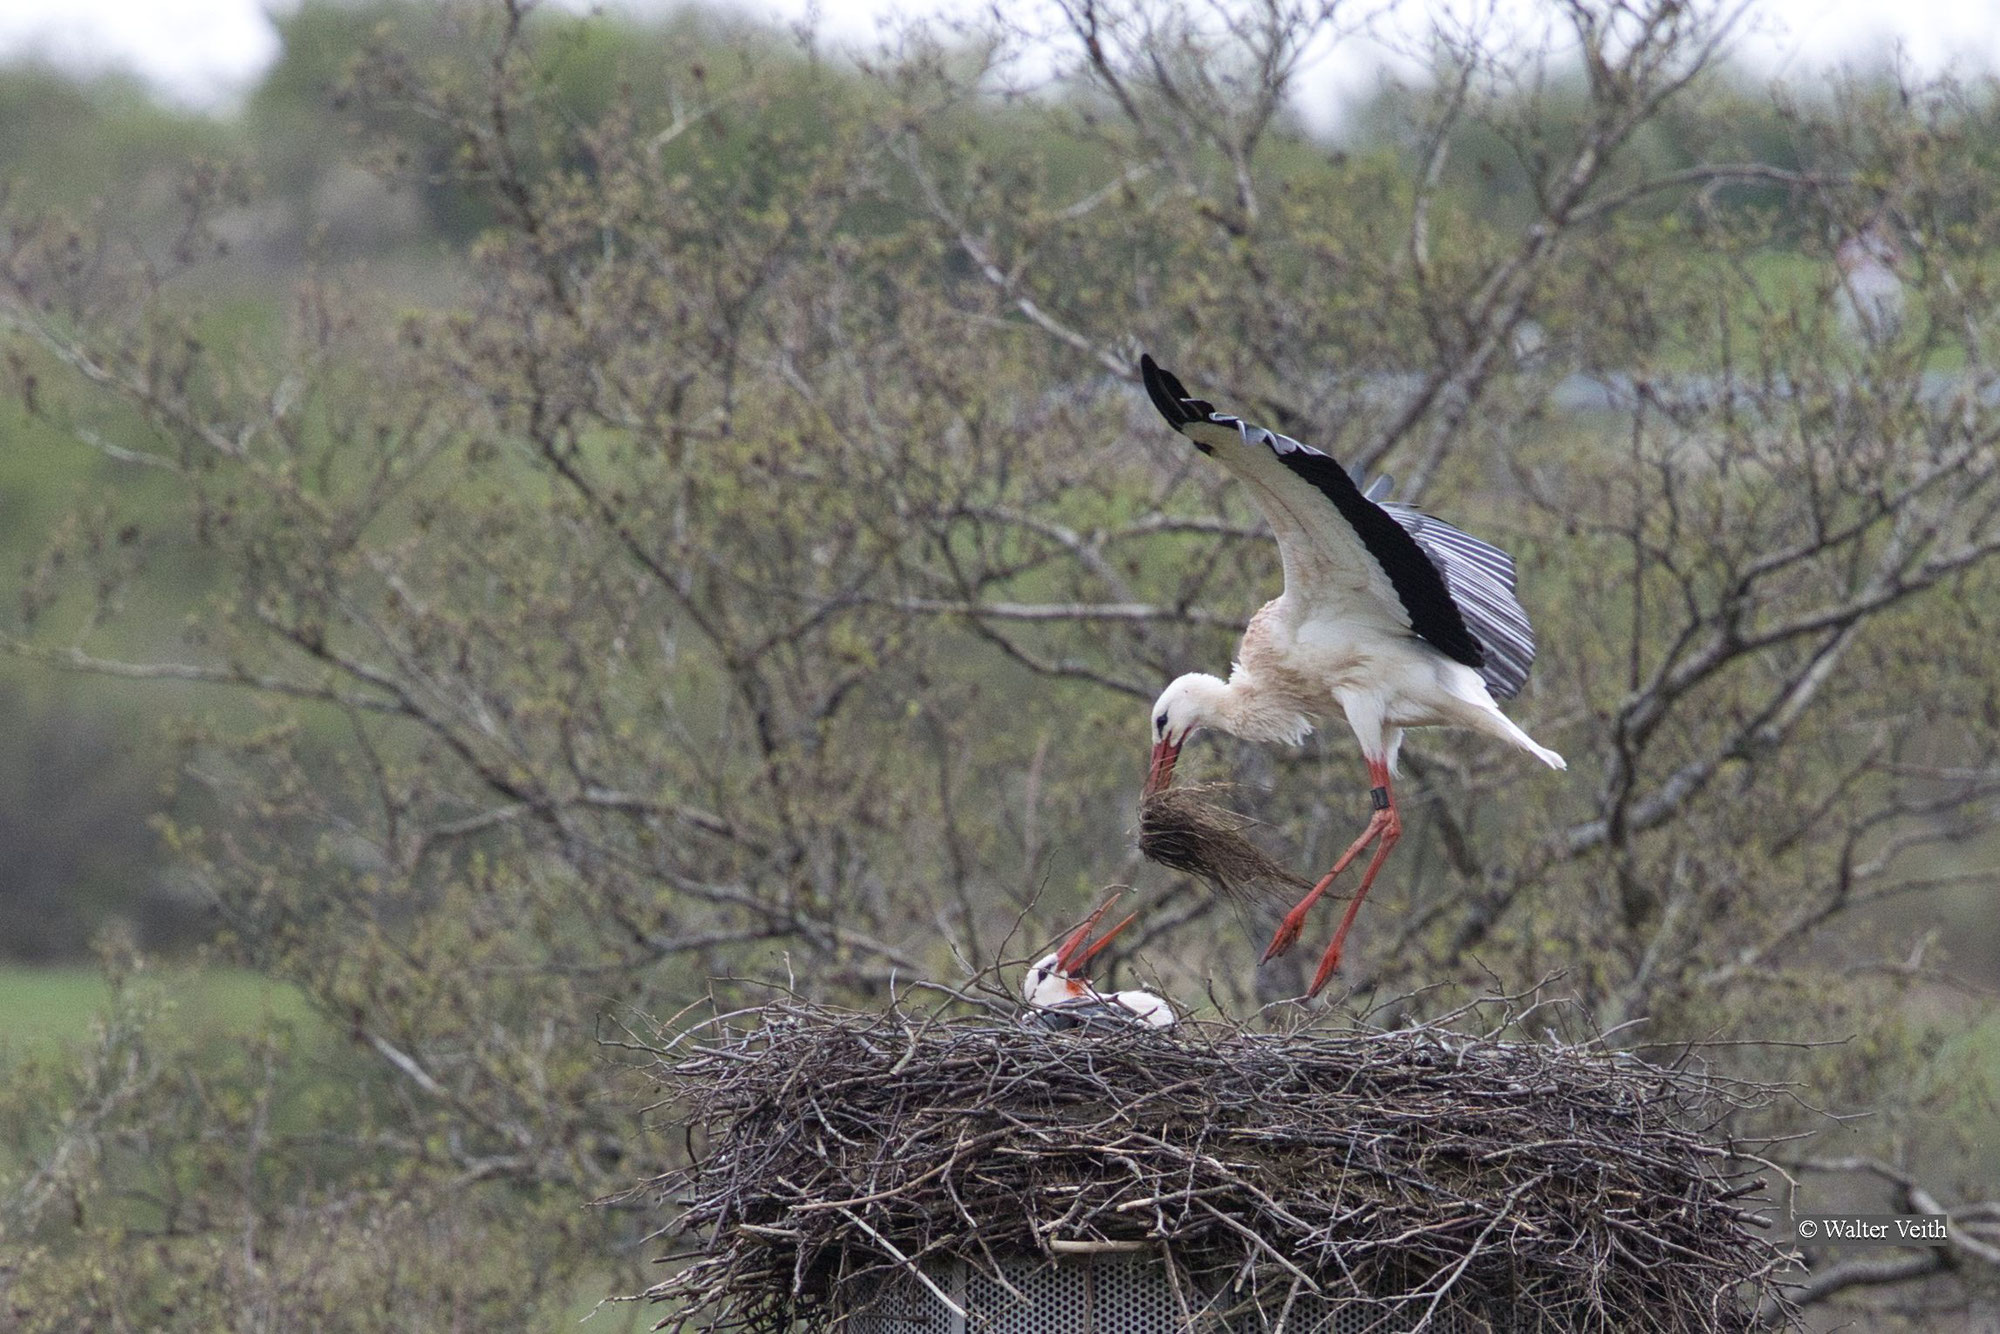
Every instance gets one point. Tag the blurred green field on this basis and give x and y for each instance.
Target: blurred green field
(44, 1007)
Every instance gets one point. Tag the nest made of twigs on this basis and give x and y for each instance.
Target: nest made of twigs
(1182, 828)
(838, 1155)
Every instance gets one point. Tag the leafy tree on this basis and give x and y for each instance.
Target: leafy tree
(762, 565)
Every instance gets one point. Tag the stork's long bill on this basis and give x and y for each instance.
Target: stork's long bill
(1160, 774)
(1078, 949)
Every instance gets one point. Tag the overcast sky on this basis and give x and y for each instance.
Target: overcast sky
(205, 52)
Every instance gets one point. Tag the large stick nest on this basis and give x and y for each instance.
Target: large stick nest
(837, 1154)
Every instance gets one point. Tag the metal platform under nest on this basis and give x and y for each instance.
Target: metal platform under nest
(1123, 1294)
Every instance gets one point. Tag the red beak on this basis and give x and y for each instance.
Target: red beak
(1074, 955)
(1161, 773)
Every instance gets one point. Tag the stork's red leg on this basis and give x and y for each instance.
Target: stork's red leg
(1384, 824)
(1392, 829)
(1295, 920)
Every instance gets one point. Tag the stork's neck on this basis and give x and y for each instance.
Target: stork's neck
(1248, 706)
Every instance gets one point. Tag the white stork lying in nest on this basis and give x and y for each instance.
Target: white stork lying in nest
(1400, 620)
(1059, 996)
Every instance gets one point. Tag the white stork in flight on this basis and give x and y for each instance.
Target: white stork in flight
(1059, 996)
(1399, 619)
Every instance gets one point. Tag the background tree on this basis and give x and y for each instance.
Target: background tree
(747, 558)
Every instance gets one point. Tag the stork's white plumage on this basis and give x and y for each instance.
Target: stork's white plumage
(1398, 619)
(1059, 995)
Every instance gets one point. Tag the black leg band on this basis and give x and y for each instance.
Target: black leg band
(1381, 796)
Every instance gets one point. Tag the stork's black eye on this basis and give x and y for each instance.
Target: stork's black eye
(1160, 723)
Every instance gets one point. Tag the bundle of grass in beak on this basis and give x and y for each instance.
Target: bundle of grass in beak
(1179, 827)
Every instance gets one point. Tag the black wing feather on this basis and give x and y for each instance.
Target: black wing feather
(1419, 583)
(1171, 397)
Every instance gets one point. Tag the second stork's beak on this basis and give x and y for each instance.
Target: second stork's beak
(1161, 772)
(1074, 953)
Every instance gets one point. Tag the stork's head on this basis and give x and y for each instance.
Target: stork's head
(1184, 707)
(1059, 977)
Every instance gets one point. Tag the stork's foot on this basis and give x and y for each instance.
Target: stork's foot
(1295, 920)
(1288, 933)
(1328, 965)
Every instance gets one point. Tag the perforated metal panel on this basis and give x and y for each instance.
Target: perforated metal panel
(1113, 1295)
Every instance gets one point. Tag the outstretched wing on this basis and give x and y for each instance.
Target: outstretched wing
(1480, 577)
(1344, 555)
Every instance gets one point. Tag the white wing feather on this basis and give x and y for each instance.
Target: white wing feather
(1328, 572)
